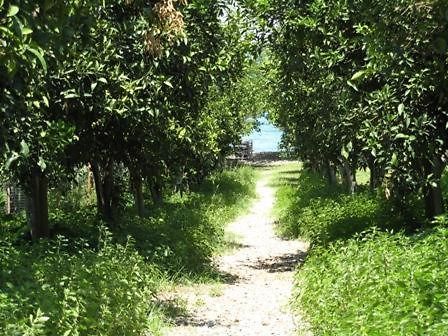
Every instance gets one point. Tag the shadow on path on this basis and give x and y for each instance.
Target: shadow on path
(278, 264)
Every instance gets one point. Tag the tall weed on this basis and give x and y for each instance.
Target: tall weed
(311, 209)
(46, 289)
(89, 280)
(368, 272)
(377, 284)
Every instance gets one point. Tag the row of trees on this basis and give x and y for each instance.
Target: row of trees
(364, 84)
(117, 85)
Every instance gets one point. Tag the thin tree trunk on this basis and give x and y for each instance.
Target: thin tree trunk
(37, 203)
(137, 190)
(104, 187)
(156, 193)
(433, 193)
(349, 179)
(375, 174)
(331, 174)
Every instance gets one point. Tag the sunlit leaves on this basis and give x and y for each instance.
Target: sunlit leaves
(12, 11)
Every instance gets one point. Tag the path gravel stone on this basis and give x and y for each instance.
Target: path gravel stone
(255, 302)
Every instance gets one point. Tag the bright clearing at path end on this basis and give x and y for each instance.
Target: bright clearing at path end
(267, 139)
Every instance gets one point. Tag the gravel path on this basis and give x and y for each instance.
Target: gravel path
(255, 301)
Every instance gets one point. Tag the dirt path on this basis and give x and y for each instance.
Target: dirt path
(255, 301)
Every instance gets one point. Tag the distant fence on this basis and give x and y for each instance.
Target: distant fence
(233, 161)
(15, 200)
(244, 151)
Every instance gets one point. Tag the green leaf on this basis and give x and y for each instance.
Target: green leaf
(352, 85)
(46, 102)
(401, 108)
(41, 319)
(394, 159)
(71, 95)
(401, 136)
(26, 31)
(41, 163)
(350, 146)
(12, 11)
(168, 84)
(24, 148)
(11, 160)
(358, 75)
(345, 154)
(102, 80)
(182, 133)
(40, 57)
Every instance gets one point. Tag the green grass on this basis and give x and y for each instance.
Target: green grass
(369, 272)
(377, 284)
(308, 208)
(96, 281)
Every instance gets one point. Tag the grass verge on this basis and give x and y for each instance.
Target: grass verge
(377, 284)
(368, 272)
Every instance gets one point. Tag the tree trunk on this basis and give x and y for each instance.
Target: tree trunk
(137, 190)
(37, 203)
(355, 180)
(433, 201)
(331, 174)
(349, 178)
(156, 193)
(376, 174)
(103, 178)
(433, 193)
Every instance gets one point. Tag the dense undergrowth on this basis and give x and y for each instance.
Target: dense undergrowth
(104, 281)
(309, 208)
(369, 271)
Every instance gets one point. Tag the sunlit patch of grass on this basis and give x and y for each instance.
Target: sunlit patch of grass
(363, 177)
(216, 290)
(377, 284)
(311, 209)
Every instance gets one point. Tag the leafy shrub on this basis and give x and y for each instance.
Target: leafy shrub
(312, 210)
(377, 284)
(184, 233)
(49, 289)
(90, 282)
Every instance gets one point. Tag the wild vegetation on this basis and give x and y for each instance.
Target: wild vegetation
(91, 279)
(127, 88)
(368, 271)
(361, 85)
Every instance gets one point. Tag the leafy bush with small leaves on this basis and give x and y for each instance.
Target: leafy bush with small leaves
(62, 288)
(311, 209)
(103, 282)
(377, 284)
